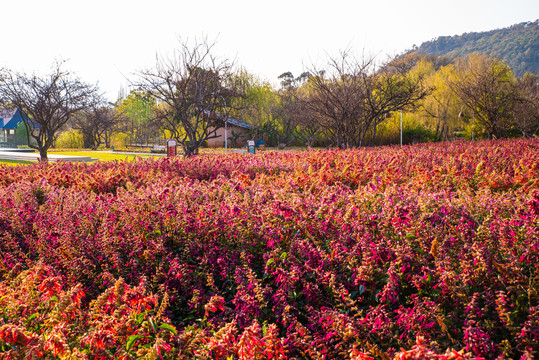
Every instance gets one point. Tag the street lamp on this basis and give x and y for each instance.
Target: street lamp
(226, 125)
(473, 120)
(401, 127)
(473, 123)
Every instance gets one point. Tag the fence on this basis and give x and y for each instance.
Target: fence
(145, 142)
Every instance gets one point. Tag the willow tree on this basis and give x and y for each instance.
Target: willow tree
(441, 107)
(259, 106)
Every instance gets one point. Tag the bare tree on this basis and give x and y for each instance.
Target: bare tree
(47, 102)
(526, 111)
(193, 90)
(307, 127)
(353, 97)
(391, 88)
(336, 97)
(96, 125)
(295, 115)
(485, 85)
(292, 114)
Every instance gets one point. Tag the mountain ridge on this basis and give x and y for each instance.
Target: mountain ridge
(517, 45)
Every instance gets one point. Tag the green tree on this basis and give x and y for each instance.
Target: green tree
(21, 134)
(441, 107)
(258, 106)
(292, 114)
(137, 111)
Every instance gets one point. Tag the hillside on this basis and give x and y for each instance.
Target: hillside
(517, 45)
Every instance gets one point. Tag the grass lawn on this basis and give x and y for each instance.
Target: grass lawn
(105, 156)
(100, 155)
(14, 162)
(120, 156)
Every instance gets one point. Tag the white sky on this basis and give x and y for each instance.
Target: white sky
(106, 41)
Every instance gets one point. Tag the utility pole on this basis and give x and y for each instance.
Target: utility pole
(473, 124)
(401, 127)
(226, 125)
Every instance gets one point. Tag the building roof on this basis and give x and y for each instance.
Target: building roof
(9, 118)
(232, 121)
(239, 123)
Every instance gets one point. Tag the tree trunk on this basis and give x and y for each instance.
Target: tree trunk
(87, 141)
(190, 150)
(43, 155)
(371, 142)
(362, 138)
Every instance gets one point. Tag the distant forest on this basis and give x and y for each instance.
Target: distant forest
(517, 45)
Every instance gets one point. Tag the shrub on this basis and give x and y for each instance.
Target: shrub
(425, 251)
(69, 139)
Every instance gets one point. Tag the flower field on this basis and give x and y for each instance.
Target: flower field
(422, 252)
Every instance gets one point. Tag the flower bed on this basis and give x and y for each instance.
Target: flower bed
(426, 251)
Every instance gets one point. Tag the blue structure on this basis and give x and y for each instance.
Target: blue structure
(9, 121)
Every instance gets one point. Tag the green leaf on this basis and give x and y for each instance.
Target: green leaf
(32, 317)
(284, 255)
(169, 327)
(131, 340)
(269, 262)
(140, 318)
(53, 298)
(152, 323)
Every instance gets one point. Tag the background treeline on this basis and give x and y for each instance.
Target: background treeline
(348, 101)
(517, 45)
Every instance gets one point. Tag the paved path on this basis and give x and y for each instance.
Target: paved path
(131, 153)
(25, 156)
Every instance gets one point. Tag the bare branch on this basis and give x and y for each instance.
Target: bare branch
(191, 87)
